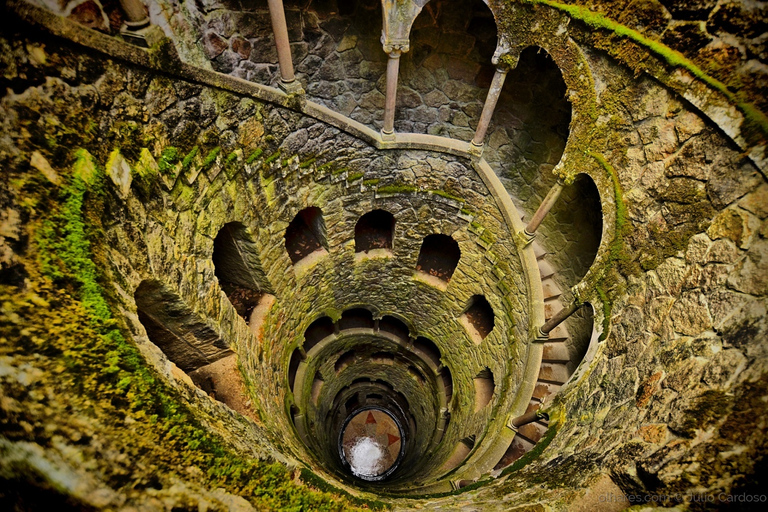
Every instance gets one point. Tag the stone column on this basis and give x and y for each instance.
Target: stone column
(490, 105)
(556, 320)
(136, 16)
(280, 29)
(529, 418)
(393, 69)
(545, 207)
(136, 28)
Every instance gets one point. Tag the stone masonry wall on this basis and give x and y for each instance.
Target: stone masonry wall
(163, 215)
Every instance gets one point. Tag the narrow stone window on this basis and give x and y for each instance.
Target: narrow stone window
(427, 350)
(184, 338)
(305, 235)
(238, 268)
(417, 374)
(317, 386)
(317, 331)
(579, 210)
(351, 404)
(344, 360)
(447, 379)
(478, 319)
(358, 318)
(293, 367)
(394, 326)
(439, 256)
(460, 453)
(374, 232)
(484, 387)
(383, 358)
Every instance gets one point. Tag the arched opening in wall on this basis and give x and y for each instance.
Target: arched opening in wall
(478, 319)
(447, 381)
(293, 367)
(531, 122)
(352, 404)
(184, 338)
(238, 268)
(346, 359)
(317, 387)
(317, 331)
(374, 232)
(199, 355)
(484, 388)
(358, 318)
(582, 333)
(427, 349)
(383, 358)
(446, 74)
(459, 454)
(305, 235)
(578, 215)
(395, 327)
(439, 256)
(417, 375)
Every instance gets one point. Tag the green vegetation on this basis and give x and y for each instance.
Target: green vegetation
(325, 166)
(67, 316)
(189, 157)
(315, 481)
(354, 176)
(755, 125)
(617, 255)
(168, 160)
(307, 163)
(271, 158)
(254, 156)
(211, 157)
(397, 188)
(371, 182)
(443, 193)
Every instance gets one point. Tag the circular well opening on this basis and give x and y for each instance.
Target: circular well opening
(371, 444)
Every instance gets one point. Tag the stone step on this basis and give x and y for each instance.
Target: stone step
(559, 334)
(533, 405)
(553, 373)
(517, 448)
(545, 269)
(556, 352)
(551, 290)
(551, 307)
(545, 389)
(532, 431)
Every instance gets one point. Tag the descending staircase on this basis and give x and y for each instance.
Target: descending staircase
(553, 372)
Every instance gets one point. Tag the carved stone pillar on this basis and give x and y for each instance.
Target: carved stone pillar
(287, 78)
(136, 27)
(393, 69)
(490, 105)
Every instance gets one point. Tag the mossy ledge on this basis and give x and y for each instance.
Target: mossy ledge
(617, 260)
